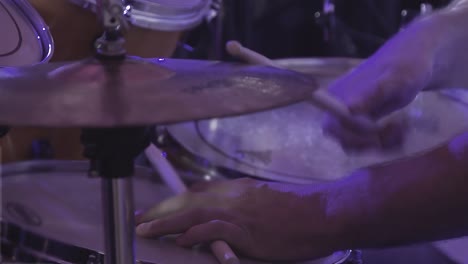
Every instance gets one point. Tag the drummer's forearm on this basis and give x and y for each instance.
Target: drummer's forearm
(418, 199)
(451, 38)
(458, 4)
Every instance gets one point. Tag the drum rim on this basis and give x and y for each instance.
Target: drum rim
(54, 250)
(348, 61)
(300, 64)
(177, 153)
(51, 249)
(41, 166)
(142, 15)
(39, 26)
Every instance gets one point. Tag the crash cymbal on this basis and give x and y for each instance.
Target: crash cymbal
(94, 93)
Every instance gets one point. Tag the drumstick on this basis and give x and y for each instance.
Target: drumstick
(318, 97)
(220, 249)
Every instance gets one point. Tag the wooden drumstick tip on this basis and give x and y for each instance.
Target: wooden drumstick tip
(234, 47)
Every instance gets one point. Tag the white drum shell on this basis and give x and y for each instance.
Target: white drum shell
(26, 39)
(163, 15)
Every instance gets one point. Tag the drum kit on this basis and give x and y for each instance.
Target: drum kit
(50, 209)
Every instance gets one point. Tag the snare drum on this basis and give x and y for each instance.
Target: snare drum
(59, 220)
(288, 145)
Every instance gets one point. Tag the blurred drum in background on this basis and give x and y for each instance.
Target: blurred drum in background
(26, 41)
(157, 26)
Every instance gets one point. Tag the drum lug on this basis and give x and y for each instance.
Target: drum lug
(93, 259)
(355, 257)
(159, 137)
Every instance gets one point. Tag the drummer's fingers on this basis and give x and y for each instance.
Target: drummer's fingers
(180, 222)
(212, 231)
(221, 186)
(392, 135)
(173, 205)
(139, 214)
(204, 186)
(349, 139)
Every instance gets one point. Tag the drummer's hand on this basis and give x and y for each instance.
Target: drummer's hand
(387, 81)
(262, 220)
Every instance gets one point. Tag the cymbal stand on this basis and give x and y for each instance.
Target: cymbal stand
(112, 151)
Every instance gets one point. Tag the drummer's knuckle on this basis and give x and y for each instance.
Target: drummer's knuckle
(200, 214)
(153, 225)
(246, 180)
(397, 76)
(382, 87)
(218, 226)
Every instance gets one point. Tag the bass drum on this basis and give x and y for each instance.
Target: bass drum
(56, 223)
(156, 28)
(287, 144)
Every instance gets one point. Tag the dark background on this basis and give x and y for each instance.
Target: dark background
(290, 28)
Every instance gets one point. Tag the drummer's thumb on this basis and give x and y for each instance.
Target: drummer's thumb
(139, 217)
(393, 132)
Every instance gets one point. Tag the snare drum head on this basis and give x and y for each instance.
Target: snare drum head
(25, 38)
(56, 201)
(288, 145)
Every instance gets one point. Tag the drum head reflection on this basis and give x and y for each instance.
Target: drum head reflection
(288, 144)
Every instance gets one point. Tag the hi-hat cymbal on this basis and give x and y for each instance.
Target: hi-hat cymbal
(93, 93)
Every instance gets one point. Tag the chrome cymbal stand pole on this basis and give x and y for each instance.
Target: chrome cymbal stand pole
(112, 151)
